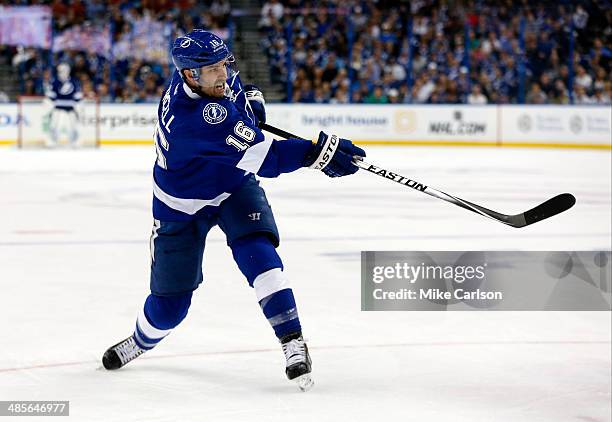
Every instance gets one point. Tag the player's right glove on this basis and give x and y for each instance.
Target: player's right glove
(333, 156)
(257, 102)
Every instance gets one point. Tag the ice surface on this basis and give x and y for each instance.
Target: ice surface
(74, 272)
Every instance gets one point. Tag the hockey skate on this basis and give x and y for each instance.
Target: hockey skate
(299, 364)
(121, 353)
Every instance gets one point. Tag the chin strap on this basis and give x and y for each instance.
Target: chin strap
(191, 93)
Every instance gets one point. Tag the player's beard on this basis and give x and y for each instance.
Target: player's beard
(216, 90)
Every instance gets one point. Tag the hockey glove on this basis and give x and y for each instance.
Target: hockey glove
(333, 156)
(257, 102)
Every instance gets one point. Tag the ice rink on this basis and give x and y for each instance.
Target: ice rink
(74, 263)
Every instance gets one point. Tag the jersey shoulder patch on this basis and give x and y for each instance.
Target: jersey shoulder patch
(214, 113)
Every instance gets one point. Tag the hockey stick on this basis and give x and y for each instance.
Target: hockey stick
(553, 206)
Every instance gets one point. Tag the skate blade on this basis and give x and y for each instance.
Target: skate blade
(304, 382)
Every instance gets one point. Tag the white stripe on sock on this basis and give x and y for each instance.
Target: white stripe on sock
(147, 329)
(140, 341)
(271, 281)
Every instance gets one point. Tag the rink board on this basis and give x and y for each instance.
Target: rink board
(456, 125)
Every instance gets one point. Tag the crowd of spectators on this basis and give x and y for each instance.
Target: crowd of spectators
(436, 51)
(118, 50)
(341, 51)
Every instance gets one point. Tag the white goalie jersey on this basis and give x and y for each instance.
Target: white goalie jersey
(65, 96)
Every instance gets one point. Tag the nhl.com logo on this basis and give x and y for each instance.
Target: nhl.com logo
(214, 113)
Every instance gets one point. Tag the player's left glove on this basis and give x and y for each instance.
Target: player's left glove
(333, 156)
(257, 102)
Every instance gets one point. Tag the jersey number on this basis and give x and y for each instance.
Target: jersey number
(244, 132)
(161, 145)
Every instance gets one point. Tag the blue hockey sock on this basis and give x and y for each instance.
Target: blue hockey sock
(281, 312)
(158, 317)
(254, 255)
(257, 259)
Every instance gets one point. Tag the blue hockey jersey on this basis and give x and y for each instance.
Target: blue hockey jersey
(64, 94)
(207, 148)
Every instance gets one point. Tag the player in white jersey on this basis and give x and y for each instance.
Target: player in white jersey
(209, 151)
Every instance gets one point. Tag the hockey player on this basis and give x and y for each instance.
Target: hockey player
(209, 149)
(64, 93)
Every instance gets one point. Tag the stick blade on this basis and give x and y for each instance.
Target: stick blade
(553, 206)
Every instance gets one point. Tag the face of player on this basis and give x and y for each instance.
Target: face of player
(211, 81)
(63, 72)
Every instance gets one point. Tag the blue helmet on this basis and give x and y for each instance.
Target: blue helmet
(199, 48)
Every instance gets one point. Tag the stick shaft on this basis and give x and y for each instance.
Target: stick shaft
(403, 180)
(553, 206)
(279, 132)
(436, 193)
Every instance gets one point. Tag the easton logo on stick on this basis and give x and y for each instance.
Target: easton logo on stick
(397, 178)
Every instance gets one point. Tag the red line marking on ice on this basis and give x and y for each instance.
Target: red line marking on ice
(350, 346)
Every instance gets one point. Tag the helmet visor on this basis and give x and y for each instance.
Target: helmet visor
(230, 66)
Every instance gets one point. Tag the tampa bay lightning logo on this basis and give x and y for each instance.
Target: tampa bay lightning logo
(214, 113)
(186, 43)
(67, 88)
